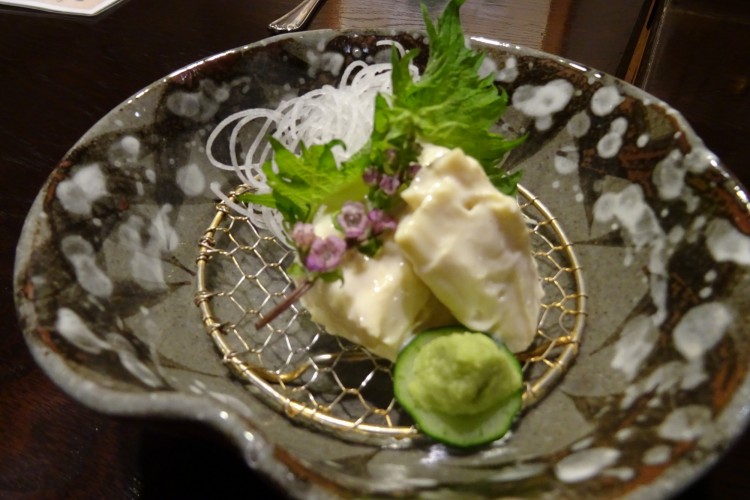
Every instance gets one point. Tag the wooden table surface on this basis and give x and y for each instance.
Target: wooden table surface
(59, 74)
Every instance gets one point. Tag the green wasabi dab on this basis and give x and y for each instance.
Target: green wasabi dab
(461, 388)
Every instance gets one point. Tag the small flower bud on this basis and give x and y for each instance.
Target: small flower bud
(325, 254)
(381, 221)
(412, 169)
(389, 184)
(303, 235)
(353, 221)
(371, 176)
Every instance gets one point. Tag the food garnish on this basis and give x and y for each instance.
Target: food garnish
(450, 105)
(462, 388)
(383, 241)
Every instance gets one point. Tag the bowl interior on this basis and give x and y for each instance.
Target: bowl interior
(107, 277)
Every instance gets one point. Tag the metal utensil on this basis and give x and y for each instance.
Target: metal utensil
(295, 18)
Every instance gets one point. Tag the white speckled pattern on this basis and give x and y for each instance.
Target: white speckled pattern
(105, 281)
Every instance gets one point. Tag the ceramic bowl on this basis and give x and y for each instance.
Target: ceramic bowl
(124, 243)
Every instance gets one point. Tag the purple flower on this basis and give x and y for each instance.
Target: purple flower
(389, 184)
(381, 221)
(411, 171)
(371, 176)
(353, 221)
(325, 254)
(303, 235)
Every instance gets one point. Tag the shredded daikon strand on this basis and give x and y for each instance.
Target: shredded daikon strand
(344, 112)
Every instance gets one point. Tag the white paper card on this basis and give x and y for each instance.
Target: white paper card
(80, 7)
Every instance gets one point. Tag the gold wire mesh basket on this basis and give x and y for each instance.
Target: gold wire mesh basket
(326, 381)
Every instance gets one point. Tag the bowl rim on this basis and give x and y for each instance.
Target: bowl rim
(230, 420)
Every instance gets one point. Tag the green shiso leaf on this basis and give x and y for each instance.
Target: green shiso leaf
(450, 105)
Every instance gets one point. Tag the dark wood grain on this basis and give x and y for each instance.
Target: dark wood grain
(59, 74)
(700, 64)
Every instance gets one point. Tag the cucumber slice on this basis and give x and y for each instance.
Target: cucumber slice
(458, 430)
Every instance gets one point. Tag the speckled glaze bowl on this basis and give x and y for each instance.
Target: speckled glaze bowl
(105, 282)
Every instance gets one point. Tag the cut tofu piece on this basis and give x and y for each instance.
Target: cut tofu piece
(469, 244)
(380, 303)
